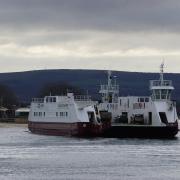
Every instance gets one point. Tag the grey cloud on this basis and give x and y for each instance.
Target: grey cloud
(106, 15)
(90, 27)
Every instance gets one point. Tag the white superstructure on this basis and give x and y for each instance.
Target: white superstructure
(67, 115)
(155, 110)
(62, 109)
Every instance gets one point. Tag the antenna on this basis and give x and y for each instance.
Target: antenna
(115, 82)
(162, 72)
(109, 78)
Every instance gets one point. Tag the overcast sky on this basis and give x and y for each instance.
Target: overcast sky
(126, 35)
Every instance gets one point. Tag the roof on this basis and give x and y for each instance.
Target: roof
(23, 110)
(3, 109)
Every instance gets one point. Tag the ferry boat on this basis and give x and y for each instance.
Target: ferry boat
(67, 115)
(152, 116)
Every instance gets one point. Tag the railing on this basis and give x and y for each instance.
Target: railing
(139, 106)
(37, 100)
(160, 83)
(110, 88)
(82, 98)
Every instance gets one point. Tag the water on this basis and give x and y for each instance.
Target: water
(27, 156)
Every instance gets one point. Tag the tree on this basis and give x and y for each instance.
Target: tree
(59, 88)
(7, 97)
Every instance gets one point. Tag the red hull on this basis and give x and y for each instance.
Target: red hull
(68, 129)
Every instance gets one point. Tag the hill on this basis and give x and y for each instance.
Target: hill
(28, 84)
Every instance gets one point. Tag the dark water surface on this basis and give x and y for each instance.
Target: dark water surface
(27, 156)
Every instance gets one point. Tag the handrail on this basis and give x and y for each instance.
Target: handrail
(82, 98)
(106, 87)
(37, 100)
(160, 83)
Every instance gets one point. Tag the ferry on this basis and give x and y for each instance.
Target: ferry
(67, 115)
(152, 116)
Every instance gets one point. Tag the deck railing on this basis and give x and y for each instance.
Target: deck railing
(82, 98)
(37, 100)
(160, 83)
(110, 88)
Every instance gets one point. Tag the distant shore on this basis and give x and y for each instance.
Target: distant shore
(9, 125)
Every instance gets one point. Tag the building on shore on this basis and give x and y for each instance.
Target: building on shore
(21, 115)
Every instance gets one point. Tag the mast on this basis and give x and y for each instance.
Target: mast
(109, 91)
(109, 78)
(162, 73)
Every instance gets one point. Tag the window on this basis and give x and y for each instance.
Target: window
(37, 113)
(146, 99)
(62, 114)
(163, 93)
(141, 99)
(157, 93)
(169, 94)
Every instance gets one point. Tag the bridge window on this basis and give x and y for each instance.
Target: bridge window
(169, 94)
(157, 94)
(161, 94)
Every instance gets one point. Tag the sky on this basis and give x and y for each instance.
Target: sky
(124, 35)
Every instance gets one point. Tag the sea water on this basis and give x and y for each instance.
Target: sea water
(24, 155)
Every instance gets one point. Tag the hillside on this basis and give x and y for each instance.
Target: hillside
(27, 84)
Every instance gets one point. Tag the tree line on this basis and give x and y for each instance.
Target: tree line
(9, 99)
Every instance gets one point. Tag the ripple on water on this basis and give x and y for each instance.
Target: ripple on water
(27, 156)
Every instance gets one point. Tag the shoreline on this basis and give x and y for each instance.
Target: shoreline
(12, 124)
